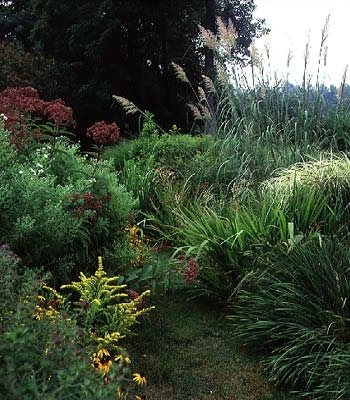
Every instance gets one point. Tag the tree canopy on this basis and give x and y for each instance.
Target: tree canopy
(123, 47)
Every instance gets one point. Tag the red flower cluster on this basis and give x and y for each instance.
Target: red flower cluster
(89, 204)
(191, 270)
(59, 113)
(132, 294)
(18, 103)
(21, 99)
(104, 133)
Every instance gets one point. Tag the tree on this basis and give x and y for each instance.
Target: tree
(125, 48)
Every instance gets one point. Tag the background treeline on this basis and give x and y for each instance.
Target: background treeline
(86, 51)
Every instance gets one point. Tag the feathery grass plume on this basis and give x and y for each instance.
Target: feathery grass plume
(127, 105)
(306, 60)
(289, 58)
(208, 38)
(324, 36)
(325, 31)
(267, 51)
(180, 73)
(201, 94)
(195, 111)
(325, 55)
(227, 33)
(340, 90)
(255, 57)
(204, 111)
(208, 84)
(221, 75)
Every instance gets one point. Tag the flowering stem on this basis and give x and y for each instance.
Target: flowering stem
(98, 159)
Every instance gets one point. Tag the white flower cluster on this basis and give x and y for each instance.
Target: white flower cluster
(3, 118)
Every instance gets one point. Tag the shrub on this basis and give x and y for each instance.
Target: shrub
(58, 208)
(54, 348)
(39, 358)
(19, 68)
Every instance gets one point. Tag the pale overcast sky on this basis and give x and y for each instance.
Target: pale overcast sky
(292, 21)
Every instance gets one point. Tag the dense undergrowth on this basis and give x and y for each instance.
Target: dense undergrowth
(253, 216)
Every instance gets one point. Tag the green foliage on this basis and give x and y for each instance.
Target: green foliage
(45, 226)
(297, 306)
(325, 180)
(139, 179)
(40, 358)
(106, 314)
(230, 239)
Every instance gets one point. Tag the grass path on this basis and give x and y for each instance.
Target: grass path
(187, 352)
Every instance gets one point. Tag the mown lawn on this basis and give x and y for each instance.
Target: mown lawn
(187, 352)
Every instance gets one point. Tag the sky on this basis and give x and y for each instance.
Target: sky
(292, 22)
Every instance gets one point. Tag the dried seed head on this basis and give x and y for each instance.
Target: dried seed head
(180, 73)
(127, 105)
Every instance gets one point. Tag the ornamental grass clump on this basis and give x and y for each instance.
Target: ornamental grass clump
(298, 307)
(331, 173)
(326, 181)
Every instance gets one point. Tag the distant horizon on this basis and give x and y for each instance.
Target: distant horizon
(292, 23)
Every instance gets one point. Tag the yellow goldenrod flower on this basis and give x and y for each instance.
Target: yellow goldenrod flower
(140, 379)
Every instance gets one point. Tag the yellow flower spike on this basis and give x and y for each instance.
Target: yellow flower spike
(100, 264)
(127, 360)
(140, 379)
